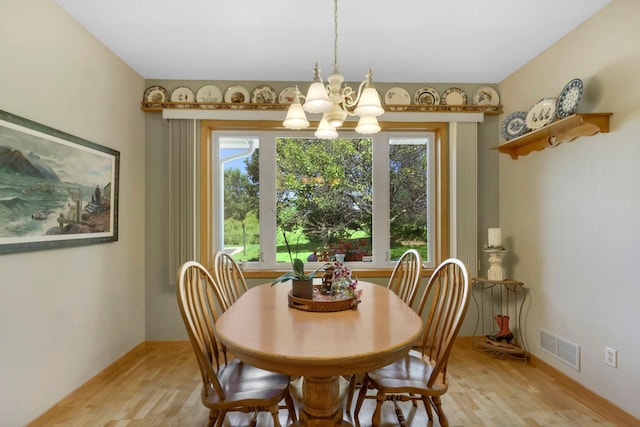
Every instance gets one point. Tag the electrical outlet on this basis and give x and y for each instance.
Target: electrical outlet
(611, 357)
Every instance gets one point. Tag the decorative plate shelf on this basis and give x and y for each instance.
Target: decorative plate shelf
(564, 130)
(467, 108)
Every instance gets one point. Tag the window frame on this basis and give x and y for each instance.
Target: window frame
(210, 205)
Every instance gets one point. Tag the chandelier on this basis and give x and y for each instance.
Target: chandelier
(334, 101)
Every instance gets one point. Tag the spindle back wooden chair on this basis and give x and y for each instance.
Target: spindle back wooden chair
(227, 385)
(404, 282)
(422, 375)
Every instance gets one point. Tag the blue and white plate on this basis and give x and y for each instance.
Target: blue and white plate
(569, 98)
(514, 125)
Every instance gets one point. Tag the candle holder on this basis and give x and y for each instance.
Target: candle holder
(496, 254)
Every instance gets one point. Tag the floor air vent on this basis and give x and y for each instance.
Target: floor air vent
(560, 348)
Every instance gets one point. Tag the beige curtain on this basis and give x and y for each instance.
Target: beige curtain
(183, 194)
(464, 196)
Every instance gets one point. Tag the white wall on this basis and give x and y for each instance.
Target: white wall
(65, 314)
(572, 212)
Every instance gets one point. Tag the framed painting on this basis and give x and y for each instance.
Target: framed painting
(56, 190)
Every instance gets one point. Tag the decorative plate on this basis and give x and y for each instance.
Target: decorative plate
(454, 96)
(569, 98)
(157, 95)
(286, 95)
(182, 94)
(209, 93)
(236, 95)
(426, 96)
(486, 96)
(397, 96)
(542, 113)
(514, 125)
(263, 95)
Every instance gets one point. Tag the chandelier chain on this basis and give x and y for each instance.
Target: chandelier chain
(335, 101)
(335, 34)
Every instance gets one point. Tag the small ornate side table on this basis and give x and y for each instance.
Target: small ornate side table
(499, 298)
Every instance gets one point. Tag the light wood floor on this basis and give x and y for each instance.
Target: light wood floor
(158, 384)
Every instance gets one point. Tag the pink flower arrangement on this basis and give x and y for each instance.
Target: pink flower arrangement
(343, 273)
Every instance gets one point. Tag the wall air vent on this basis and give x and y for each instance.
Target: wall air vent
(560, 348)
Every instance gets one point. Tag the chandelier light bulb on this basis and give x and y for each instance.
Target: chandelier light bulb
(325, 130)
(369, 104)
(296, 119)
(317, 99)
(368, 125)
(336, 116)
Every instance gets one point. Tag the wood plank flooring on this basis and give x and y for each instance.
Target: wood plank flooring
(158, 384)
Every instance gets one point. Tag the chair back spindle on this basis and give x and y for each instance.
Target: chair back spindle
(405, 276)
(230, 277)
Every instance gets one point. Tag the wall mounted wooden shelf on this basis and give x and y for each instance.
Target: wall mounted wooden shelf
(467, 108)
(564, 130)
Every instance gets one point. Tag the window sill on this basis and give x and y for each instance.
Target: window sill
(360, 273)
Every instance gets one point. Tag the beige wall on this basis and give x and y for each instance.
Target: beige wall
(571, 212)
(65, 314)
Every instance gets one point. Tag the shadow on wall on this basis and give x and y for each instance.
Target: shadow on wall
(595, 98)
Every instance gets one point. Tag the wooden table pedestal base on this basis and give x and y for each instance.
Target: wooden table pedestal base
(321, 403)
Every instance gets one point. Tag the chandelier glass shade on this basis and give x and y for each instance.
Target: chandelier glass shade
(335, 101)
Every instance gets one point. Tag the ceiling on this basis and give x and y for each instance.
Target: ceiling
(421, 41)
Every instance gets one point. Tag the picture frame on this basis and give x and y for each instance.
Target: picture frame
(56, 190)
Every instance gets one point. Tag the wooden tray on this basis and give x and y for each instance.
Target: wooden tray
(324, 303)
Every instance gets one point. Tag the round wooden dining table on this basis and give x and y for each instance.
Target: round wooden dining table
(261, 329)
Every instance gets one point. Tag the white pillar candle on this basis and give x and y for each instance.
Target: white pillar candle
(495, 237)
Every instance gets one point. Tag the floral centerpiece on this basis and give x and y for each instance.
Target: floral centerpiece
(344, 285)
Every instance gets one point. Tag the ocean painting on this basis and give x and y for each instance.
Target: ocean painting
(55, 189)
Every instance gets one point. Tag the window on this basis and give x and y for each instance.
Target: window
(324, 198)
(411, 172)
(369, 198)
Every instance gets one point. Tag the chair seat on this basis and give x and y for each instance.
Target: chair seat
(244, 383)
(408, 375)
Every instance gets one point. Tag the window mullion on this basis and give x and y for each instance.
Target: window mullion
(380, 215)
(268, 199)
